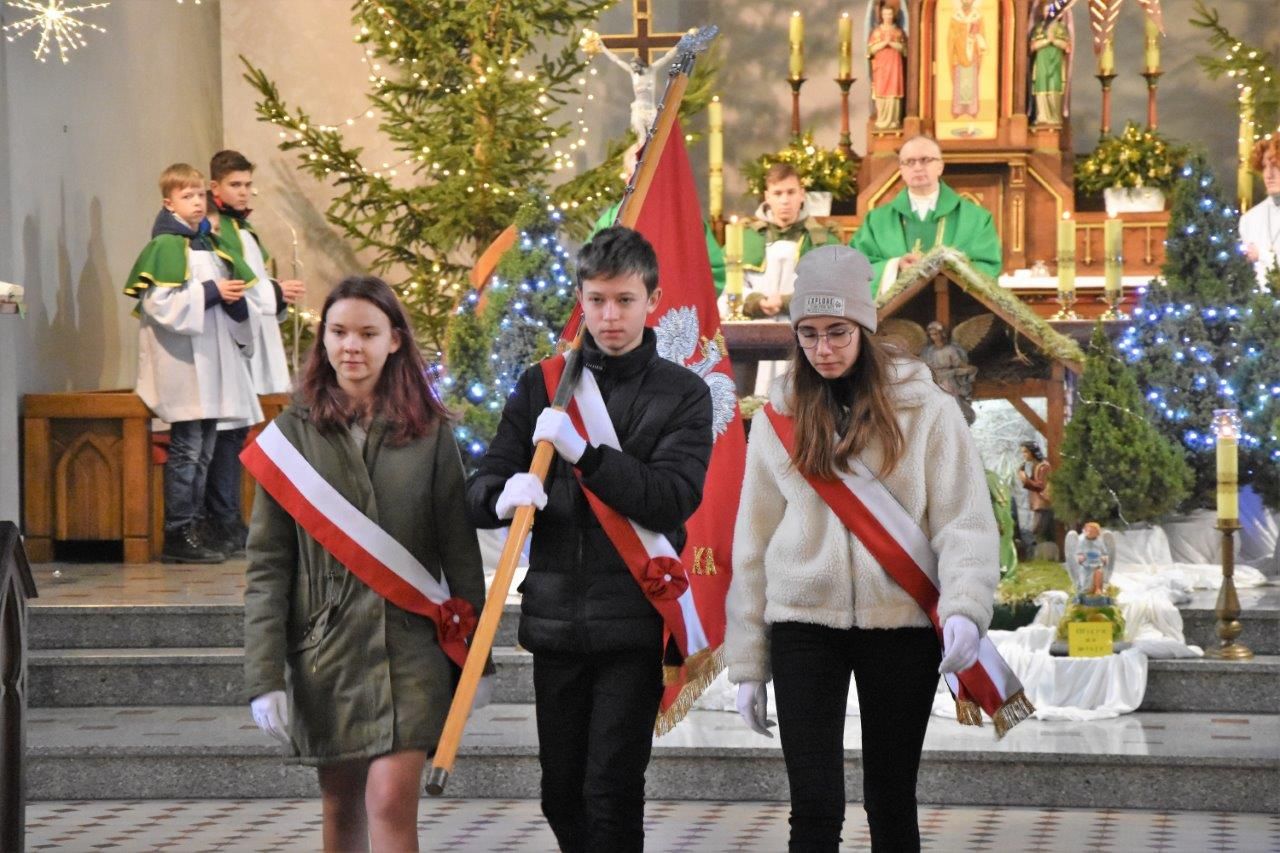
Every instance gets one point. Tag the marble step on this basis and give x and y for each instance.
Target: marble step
(1261, 626)
(1210, 762)
(213, 676)
(194, 676)
(171, 626)
(62, 626)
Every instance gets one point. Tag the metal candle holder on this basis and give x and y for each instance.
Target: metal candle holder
(1228, 607)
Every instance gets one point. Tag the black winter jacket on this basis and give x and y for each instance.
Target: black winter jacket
(578, 596)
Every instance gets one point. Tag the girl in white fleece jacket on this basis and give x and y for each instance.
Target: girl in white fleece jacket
(809, 604)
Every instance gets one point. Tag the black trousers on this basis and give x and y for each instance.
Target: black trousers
(896, 672)
(595, 733)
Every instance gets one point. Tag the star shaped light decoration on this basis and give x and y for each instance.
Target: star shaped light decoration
(57, 24)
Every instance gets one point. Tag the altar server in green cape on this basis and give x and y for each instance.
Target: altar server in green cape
(231, 191)
(195, 337)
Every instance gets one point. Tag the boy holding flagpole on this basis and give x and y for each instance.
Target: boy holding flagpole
(605, 581)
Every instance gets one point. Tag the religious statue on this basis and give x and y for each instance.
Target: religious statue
(887, 51)
(966, 44)
(644, 110)
(1090, 558)
(1089, 562)
(950, 366)
(1034, 477)
(1051, 48)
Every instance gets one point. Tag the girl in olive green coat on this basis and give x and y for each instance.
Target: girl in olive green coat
(352, 683)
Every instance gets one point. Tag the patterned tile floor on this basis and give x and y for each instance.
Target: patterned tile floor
(704, 827)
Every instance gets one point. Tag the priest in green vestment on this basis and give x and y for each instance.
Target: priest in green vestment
(925, 214)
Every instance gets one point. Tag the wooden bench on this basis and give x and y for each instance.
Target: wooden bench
(93, 471)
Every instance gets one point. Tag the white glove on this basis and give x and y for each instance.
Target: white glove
(484, 693)
(271, 713)
(520, 490)
(556, 427)
(959, 644)
(753, 707)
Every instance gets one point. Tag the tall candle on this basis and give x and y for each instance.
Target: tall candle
(1151, 51)
(796, 39)
(733, 257)
(1067, 254)
(846, 46)
(1112, 251)
(1107, 60)
(715, 157)
(1228, 462)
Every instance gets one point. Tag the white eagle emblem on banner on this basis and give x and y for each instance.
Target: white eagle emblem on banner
(680, 339)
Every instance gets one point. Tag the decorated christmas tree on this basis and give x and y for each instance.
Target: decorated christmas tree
(1117, 468)
(1185, 340)
(514, 321)
(468, 100)
(1258, 389)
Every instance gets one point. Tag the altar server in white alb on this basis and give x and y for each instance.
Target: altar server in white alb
(865, 544)
(195, 338)
(231, 186)
(1260, 224)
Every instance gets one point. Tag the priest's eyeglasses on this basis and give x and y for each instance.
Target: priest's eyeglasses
(837, 338)
(912, 162)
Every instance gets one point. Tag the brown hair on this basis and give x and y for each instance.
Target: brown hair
(404, 394)
(1262, 149)
(179, 176)
(837, 418)
(780, 172)
(227, 161)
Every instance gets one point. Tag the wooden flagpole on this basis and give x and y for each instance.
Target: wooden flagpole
(482, 642)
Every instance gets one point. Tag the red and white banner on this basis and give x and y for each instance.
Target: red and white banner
(871, 513)
(356, 541)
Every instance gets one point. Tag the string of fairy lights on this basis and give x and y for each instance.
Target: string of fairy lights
(555, 277)
(57, 24)
(1156, 323)
(562, 158)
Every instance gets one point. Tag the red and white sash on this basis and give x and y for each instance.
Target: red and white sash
(650, 557)
(871, 513)
(356, 541)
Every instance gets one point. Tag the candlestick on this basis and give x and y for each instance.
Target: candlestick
(1153, 82)
(1151, 46)
(845, 26)
(846, 142)
(1112, 265)
(795, 83)
(1066, 268)
(1226, 426)
(1104, 126)
(1107, 59)
(796, 39)
(715, 158)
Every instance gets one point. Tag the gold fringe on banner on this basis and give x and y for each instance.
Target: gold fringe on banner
(699, 671)
(1015, 709)
(1012, 712)
(968, 713)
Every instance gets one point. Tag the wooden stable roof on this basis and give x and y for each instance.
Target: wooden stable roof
(944, 268)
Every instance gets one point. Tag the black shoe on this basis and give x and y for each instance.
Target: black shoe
(225, 536)
(184, 545)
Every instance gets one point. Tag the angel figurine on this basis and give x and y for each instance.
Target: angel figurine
(1090, 560)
